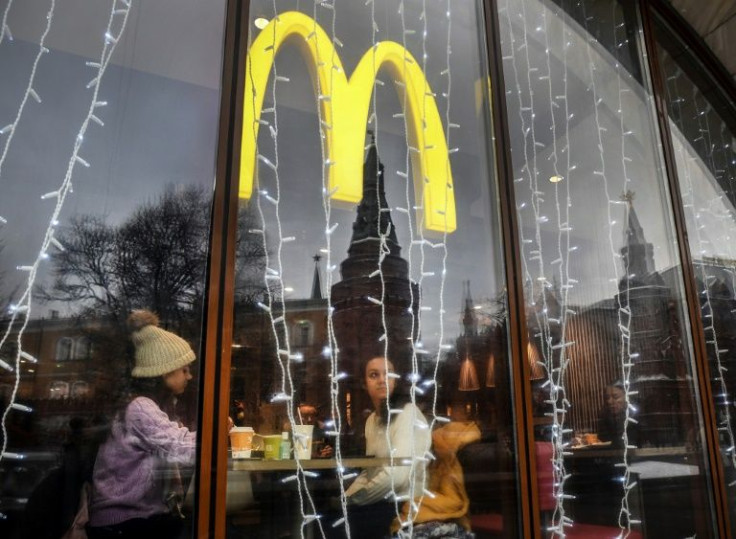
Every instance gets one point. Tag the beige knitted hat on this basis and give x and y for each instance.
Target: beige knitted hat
(157, 351)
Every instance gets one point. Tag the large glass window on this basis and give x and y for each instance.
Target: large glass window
(617, 424)
(370, 350)
(703, 126)
(109, 113)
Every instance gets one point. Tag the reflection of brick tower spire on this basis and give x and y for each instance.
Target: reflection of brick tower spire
(470, 324)
(358, 321)
(316, 281)
(637, 253)
(659, 371)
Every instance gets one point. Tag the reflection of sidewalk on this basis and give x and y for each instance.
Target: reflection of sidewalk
(655, 469)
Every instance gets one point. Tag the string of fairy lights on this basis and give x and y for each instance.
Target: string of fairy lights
(30, 92)
(21, 311)
(700, 244)
(383, 248)
(5, 32)
(407, 524)
(556, 375)
(449, 126)
(626, 357)
(554, 354)
(333, 347)
(275, 304)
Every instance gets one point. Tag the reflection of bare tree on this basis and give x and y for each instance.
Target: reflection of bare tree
(250, 260)
(155, 259)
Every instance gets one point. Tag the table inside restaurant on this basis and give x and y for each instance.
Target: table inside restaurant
(667, 477)
(269, 507)
(269, 465)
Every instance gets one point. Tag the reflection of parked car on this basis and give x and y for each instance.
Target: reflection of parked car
(18, 480)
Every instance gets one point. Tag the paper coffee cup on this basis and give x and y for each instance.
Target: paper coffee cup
(303, 441)
(271, 446)
(241, 441)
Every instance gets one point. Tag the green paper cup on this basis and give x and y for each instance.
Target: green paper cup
(271, 446)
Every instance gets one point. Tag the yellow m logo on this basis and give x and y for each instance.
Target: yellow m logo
(344, 107)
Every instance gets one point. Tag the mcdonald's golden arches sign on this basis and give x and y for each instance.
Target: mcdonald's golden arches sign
(344, 104)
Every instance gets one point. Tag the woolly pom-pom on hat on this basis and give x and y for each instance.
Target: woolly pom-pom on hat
(157, 351)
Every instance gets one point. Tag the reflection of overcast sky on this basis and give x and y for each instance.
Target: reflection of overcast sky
(157, 131)
(708, 213)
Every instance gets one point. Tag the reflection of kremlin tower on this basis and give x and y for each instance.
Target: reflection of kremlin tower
(358, 321)
(659, 369)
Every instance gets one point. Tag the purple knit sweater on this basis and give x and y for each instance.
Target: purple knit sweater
(127, 481)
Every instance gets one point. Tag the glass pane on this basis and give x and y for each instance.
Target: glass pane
(703, 126)
(617, 422)
(118, 100)
(369, 346)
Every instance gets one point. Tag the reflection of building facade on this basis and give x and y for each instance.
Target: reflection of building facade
(68, 366)
(71, 378)
(474, 375)
(359, 322)
(256, 375)
(646, 305)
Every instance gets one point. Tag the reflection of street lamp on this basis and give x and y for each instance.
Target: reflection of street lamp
(468, 376)
(491, 372)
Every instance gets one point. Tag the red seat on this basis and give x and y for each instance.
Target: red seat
(488, 523)
(492, 523)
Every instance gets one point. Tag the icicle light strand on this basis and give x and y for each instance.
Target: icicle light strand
(10, 129)
(552, 350)
(556, 377)
(408, 524)
(275, 306)
(697, 218)
(333, 345)
(4, 28)
(624, 314)
(118, 17)
(384, 250)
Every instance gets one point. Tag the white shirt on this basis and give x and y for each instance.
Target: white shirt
(409, 439)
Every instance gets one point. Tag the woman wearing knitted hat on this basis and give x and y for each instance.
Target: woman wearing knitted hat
(127, 486)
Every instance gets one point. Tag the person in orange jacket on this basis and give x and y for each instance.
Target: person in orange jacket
(446, 511)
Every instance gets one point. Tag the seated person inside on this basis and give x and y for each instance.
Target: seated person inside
(612, 417)
(370, 508)
(444, 513)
